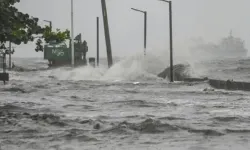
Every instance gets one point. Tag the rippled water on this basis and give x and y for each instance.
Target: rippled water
(126, 107)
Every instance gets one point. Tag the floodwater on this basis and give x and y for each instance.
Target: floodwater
(125, 108)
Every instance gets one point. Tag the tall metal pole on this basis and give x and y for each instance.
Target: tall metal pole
(50, 24)
(97, 44)
(106, 30)
(145, 32)
(171, 40)
(4, 62)
(72, 36)
(10, 55)
(4, 65)
(145, 28)
(171, 43)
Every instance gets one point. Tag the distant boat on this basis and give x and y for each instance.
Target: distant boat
(229, 47)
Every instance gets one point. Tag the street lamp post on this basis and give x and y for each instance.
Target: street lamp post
(171, 40)
(145, 28)
(10, 55)
(72, 35)
(97, 40)
(50, 24)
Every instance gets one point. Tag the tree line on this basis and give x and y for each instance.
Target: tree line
(17, 27)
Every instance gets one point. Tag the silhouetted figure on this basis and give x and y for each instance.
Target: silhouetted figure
(13, 65)
(85, 50)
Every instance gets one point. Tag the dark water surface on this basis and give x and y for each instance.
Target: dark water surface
(54, 110)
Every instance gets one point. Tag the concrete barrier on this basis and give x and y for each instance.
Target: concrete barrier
(4, 77)
(195, 79)
(229, 85)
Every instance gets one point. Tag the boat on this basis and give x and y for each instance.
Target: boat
(59, 54)
(228, 47)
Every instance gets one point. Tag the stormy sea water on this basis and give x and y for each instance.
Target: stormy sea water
(126, 107)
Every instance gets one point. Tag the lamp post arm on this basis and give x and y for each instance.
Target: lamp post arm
(138, 10)
(165, 1)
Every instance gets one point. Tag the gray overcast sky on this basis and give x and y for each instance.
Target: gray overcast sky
(210, 19)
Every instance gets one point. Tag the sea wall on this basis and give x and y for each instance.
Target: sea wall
(181, 74)
(229, 85)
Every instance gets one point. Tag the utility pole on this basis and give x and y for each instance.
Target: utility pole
(72, 35)
(106, 31)
(171, 40)
(145, 28)
(97, 40)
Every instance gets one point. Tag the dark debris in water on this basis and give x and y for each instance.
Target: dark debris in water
(206, 132)
(220, 106)
(74, 97)
(11, 115)
(80, 138)
(152, 126)
(149, 126)
(246, 131)
(15, 89)
(52, 77)
(208, 90)
(171, 118)
(10, 107)
(41, 86)
(140, 103)
(225, 119)
(20, 89)
(97, 126)
(49, 118)
(73, 134)
(77, 107)
(86, 122)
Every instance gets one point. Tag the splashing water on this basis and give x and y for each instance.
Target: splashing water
(137, 67)
(132, 68)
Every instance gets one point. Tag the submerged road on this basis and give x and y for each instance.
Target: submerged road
(59, 110)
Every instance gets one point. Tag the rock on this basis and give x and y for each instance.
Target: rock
(74, 97)
(207, 89)
(15, 89)
(85, 121)
(181, 71)
(52, 77)
(26, 114)
(97, 126)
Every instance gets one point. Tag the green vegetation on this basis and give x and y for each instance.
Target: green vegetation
(19, 27)
(48, 35)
